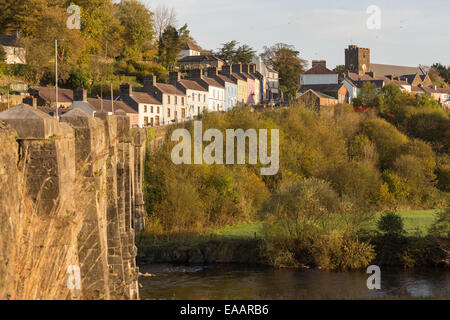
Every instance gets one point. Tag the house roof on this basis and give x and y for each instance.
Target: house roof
(436, 90)
(334, 87)
(169, 89)
(225, 78)
(48, 94)
(319, 69)
(319, 94)
(107, 107)
(191, 46)
(387, 69)
(144, 98)
(212, 82)
(192, 85)
(201, 58)
(8, 41)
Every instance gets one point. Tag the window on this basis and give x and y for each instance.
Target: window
(157, 109)
(168, 112)
(168, 99)
(151, 109)
(176, 100)
(198, 111)
(183, 113)
(145, 121)
(182, 101)
(145, 108)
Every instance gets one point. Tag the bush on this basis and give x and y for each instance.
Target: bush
(391, 223)
(387, 139)
(309, 222)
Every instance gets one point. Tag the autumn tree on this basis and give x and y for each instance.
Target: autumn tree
(137, 23)
(285, 59)
(231, 52)
(170, 45)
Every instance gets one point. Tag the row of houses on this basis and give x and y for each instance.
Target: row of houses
(190, 58)
(325, 87)
(155, 104)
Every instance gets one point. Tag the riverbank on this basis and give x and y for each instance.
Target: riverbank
(244, 244)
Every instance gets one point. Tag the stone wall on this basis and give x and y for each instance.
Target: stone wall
(85, 173)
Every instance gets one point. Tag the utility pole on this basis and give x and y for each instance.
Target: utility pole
(56, 76)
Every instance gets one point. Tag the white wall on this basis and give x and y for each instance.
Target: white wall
(194, 103)
(216, 98)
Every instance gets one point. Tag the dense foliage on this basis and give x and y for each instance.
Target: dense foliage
(333, 174)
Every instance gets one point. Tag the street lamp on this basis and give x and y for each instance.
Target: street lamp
(56, 76)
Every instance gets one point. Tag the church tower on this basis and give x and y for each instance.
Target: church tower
(357, 59)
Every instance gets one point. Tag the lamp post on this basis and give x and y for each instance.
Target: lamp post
(56, 76)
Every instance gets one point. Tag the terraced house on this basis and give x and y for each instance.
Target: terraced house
(231, 89)
(171, 98)
(215, 89)
(241, 83)
(197, 96)
(238, 69)
(149, 109)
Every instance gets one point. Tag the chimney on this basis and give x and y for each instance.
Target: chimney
(226, 70)
(322, 63)
(253, 68)
(237, 68)
(16, 34)
(212, 71)
(126, 90)
(31, 101)
(196, 73)
(80, 94)
(174, 77)
(149, 82)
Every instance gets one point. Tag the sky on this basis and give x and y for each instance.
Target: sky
(412, 32)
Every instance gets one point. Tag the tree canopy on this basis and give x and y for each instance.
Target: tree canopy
(285, 59)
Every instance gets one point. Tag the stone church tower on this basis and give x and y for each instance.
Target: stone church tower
(357, 59)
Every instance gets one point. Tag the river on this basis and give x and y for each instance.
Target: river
(253, 283)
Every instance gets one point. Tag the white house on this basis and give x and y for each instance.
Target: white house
(15, 53)
(231, 87)
(149, 109)
(196, 95)
(319, 74)
(215, 89)
(188, 50)
(271, 76)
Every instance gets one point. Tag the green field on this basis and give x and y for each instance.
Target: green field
(414, 220)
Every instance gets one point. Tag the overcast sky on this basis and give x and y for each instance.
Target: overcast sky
(412, 32)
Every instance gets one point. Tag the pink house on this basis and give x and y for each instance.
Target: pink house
(237, 68)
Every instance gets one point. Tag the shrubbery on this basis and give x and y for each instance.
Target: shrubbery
(333, 174)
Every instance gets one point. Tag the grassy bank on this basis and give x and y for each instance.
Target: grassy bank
(414, 220)
(243, 243)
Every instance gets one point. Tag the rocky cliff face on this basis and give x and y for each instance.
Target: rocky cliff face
(71, 199)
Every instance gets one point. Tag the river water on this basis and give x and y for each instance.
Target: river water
(253, 283)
